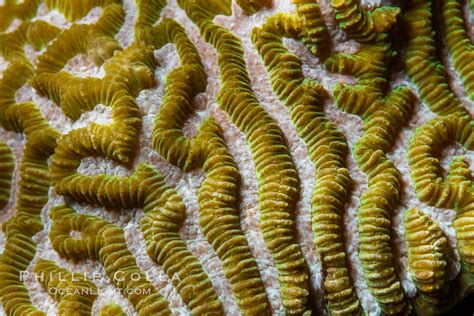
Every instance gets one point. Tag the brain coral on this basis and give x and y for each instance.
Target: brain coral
(248, 157)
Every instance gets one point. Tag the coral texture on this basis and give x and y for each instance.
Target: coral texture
(74, 292)
(427, 253)
(327, 149)
(278, 182)
(219, 157)
(103, 241)
(7, 166)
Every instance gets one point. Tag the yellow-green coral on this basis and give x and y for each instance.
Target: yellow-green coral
(364, 25)
(112, 309)
(19, 229)
(121, 83)
(455, 192)
(73, 291)
(9, 84)
(20, 69)
(75, 10)
(95, 40)
(252, 6)
(182, 85)
(41, 142)
(161, 239)
(103, 241)
(464, 226)
(12, 9)
(37, 34)
(164, 216)
(382, 121)
(327, 150)
(7, 165)
(276, 174)
(370, 66)
(40, 33)
(126, 74)
(458, 42)
(11, 44)
(425, 169)
(217, 195)
(148, 13)
(32, 195)
(421, 64)
(76, 95)
(383, 116)
(427, 262)
(220, 222)
(130, 70)
(314, 33)
(19, 250)
(459, 171)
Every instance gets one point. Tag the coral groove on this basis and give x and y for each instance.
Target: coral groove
(276, 174)
(327, 149)
(164, 216)
(32, 195)
(7, 165)
(36, 53)
(454, 192)
(383, 115)
(105, 242)
(458, 42)
(364, 25)
(427, 262)
(314, 33)
(421, 63)
(74, 292)
(218, 214)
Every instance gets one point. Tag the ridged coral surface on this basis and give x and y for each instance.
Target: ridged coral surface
(247, 157)
(427, 259)
(327, 149)
(7, 165)
(77, 293)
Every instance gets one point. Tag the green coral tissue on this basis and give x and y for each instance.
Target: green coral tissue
(236, 157)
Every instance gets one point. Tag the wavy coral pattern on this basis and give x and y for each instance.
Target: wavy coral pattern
(74, 292)
(252, 6)
(458, 42)
(75, 10)
(431, 187)
(103, 241)
(164, 216)
(10, 10)
(361, 24)
(34, 183)
(427, 260)
(276, 174)
(421, 63)
(220, 222)
(217, 197)
(36, 52)
(453, 123)
(314, 33)
(327, 149)
(383, 115)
